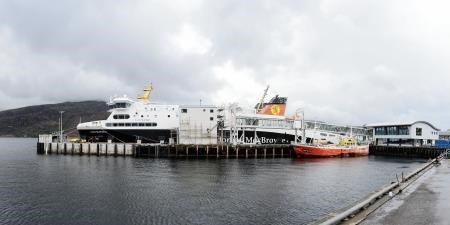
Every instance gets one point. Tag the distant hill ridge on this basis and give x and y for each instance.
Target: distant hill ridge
(31, 121)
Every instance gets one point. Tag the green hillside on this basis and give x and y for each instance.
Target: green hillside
(33, 120)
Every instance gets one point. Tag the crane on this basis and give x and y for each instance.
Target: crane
(259, 106)
(145, 97)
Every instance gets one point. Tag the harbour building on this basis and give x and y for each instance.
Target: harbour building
(418, 133)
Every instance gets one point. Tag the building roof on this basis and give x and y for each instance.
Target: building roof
(408, 123)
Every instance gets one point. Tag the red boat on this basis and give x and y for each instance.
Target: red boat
(314, 151)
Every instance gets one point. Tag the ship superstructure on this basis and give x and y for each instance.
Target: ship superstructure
(142, 121)
(134, 120)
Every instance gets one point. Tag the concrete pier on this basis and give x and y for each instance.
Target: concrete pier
(406, 151)
(425, 202)
(365, 208)
(167, 151)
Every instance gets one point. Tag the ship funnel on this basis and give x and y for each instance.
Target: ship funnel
(276, 106)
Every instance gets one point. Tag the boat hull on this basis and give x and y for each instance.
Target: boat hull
(125, 135)
(311, 151)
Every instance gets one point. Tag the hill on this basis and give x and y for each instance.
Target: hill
(33, 120)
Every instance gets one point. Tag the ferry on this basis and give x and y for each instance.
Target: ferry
(134, 121)
(142, 121)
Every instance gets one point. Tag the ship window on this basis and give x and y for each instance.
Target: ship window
(108, 124)
(323, 134)
(154, 124)
(115, 116)
(211, 118)
(168, 116)
(204, 110)
(148, 124)
(134, 124)
(142, 116)
(120, 124)
(141, 124)
(211, 111)
(183, 110)
(114, 124)
(127, 116)
(120, 105)
(128, 125)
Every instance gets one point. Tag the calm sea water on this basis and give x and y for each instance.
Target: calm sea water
(57, 189)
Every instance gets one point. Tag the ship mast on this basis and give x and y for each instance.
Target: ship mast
(145, 97)
(261, 102)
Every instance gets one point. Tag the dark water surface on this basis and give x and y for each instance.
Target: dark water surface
(57, 189)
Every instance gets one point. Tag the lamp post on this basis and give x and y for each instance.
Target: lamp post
(60, 126)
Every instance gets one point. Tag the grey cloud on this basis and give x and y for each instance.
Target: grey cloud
(343, 61)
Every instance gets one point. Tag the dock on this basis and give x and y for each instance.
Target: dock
(167, 151)
(364, 210)
(212, 150)
(427, 152)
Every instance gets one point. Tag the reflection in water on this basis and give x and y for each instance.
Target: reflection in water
(55, 189)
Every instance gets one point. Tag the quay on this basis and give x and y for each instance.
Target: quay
(415, 211)
(211, 150)
(427, 152)
(166, 150)
(425, 202)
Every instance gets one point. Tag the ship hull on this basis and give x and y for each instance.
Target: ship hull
(311, 151)
(126, 135)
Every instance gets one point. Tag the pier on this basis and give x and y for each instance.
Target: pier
(363, 210)
(167, 151)
(427, 152)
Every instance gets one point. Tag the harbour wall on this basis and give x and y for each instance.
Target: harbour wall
(406, 151)
(167, 151)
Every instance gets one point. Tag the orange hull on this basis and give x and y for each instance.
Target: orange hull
(310, 151)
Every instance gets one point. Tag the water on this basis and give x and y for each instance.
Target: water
(57, 189)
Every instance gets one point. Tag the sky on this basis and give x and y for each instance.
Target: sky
(342, 61)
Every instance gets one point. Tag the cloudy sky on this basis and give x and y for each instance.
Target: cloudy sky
(344, 61)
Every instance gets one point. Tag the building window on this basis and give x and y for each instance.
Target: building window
(418, 131)
(403, 131)
(380, 130)
(392, 131)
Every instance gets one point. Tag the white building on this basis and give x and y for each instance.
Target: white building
(444, 135)
(198, 125)
(417, 133)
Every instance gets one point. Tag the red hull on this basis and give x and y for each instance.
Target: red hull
(330, 151)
